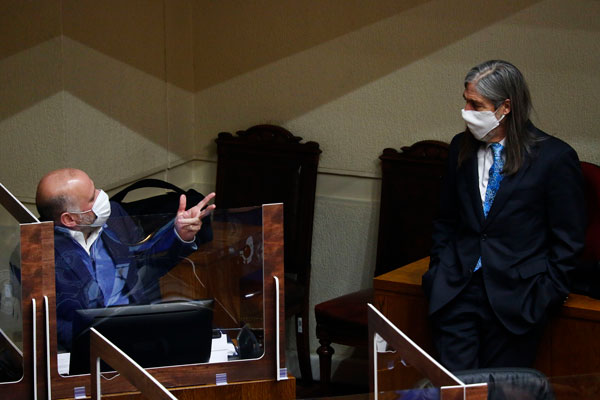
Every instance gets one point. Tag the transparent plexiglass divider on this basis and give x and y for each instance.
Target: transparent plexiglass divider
(187, 311)
(392, 353)
(161, 300)
(25, 252)
(389, 366)
(400, 369)
(11, 313)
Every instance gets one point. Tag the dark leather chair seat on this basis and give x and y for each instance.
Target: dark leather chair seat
(345, 318)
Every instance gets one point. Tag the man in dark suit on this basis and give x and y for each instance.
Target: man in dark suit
(100, 257)
(510, 227)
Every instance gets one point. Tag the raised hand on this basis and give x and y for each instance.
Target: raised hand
(189, 222)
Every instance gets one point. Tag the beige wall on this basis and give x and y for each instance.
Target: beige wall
(125, 89)
(104, 86)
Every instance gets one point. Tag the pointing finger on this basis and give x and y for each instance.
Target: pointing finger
(206, 199)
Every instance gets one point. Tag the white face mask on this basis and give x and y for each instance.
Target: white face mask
(101, 208)
(480, 123)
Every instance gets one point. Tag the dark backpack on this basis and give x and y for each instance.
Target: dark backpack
(162, 207)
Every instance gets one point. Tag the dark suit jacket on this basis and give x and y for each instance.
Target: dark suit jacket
(528, 243)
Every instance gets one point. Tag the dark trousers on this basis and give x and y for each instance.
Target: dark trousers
(468, 335)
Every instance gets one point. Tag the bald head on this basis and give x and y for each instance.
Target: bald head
(63, 190)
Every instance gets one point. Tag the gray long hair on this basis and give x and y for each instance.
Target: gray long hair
(498, 80)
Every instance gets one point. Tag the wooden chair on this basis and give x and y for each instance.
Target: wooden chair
(591, 177)
(409, 198)
(586, 279)
(267, 164)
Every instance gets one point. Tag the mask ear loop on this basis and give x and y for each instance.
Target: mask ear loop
(70, 217)
(81, 213)
(502, 105)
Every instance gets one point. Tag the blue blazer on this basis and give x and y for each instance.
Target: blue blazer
(143, 264)
(529, 242)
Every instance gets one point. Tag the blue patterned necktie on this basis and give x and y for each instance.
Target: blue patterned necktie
(495, 177)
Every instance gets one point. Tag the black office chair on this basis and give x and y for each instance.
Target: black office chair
(506, 383)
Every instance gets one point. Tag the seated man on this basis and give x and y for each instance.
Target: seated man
(98, 259)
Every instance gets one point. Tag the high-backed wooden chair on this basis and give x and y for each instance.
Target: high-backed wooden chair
(586, 279)
(591, 177)
(409, 198)
(268, 164)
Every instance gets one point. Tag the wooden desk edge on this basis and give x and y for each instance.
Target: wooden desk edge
(407, 280)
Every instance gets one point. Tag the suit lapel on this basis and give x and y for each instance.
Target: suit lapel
(469, 190)
(507, 186)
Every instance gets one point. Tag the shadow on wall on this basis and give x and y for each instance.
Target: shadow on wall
(164, 40)
(157, 80)
(29, 57)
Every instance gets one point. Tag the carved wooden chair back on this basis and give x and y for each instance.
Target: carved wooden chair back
(409, 200)
(268, 164)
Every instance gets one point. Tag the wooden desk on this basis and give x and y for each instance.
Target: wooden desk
(250, 390)
(570, 345)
